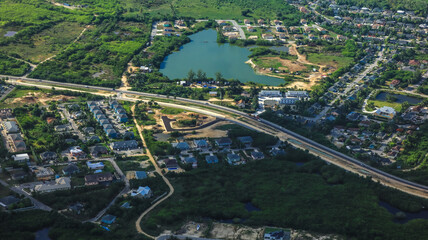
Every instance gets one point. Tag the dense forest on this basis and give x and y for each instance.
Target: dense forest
(10, 66)
(23, 225)
(310, 195)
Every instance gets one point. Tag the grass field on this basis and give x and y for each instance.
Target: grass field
(267, 63)
(214, 9)
(46, 43)
(27, 13)
(325, 59)
(170, 110)
(379, 104)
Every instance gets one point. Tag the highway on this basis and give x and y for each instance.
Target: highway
(327, 154)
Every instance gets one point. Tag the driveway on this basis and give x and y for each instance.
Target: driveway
(237, 26)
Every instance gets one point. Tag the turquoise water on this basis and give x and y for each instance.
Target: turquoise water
(204, 53)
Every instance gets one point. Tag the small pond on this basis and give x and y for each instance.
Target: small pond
(43, 234)
(251, 208)
(409, 216)
(400, 98)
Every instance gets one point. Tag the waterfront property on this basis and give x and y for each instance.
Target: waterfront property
(225, 58)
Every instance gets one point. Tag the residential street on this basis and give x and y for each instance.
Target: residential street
(36, 203)
(237, 26)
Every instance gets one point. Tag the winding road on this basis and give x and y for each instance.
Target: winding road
(159, 171)
(235, 116)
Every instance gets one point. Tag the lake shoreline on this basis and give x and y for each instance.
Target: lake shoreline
(205, 54)
(255, 68)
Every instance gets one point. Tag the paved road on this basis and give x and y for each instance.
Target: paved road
(124, 190)
(167, 123)
(237, 26)
(6, 93)
(325, 153)
(73, 123)
(363, 108)
(37, 204)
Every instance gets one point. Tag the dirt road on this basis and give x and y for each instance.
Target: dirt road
(159, 171)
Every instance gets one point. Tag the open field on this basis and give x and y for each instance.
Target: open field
(379, 104)
(46, 43)
(224, 10)
(329, 60)
(281, 64)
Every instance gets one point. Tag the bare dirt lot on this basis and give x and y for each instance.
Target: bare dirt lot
(292, 66)
(241, 232)
(309, 79)
(222, 231)
(209, 132)
(37, 98)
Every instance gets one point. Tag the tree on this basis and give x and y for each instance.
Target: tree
(218, 77)
(390, 98)
(201, 76)
(191, 76)
(404, 106)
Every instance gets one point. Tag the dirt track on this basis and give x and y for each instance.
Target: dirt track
(294, 66)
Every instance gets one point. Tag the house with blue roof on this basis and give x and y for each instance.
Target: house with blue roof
(93, 138)
(111, 133)
(257, 155)
(191, 160)
(107, 126)
(122, 118)
(246, 140)
(103, 121)
(142, 192)
(330, 118)
(97, 112)
(223, 142)
(277, 152)
(108, 219)
(200, 143)
(114, 104)
(128, 135)
(181, 145)
(94, 108)
(211, 159)
(120, 110)
(126, 205)
(100, 117)
(233, 159)
(95, 166)
(140, 175)
(91, 103)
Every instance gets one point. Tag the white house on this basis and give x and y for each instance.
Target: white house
(21, 157)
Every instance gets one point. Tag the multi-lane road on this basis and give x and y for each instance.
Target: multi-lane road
(296, 140)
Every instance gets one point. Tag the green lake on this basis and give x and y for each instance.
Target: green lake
(204, 53)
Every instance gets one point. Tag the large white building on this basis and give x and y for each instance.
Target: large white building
(269, 98)
(21, 157)
(270, 93)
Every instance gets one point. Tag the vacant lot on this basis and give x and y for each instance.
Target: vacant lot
(334, 61)
(46, 43)
(281, 64)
